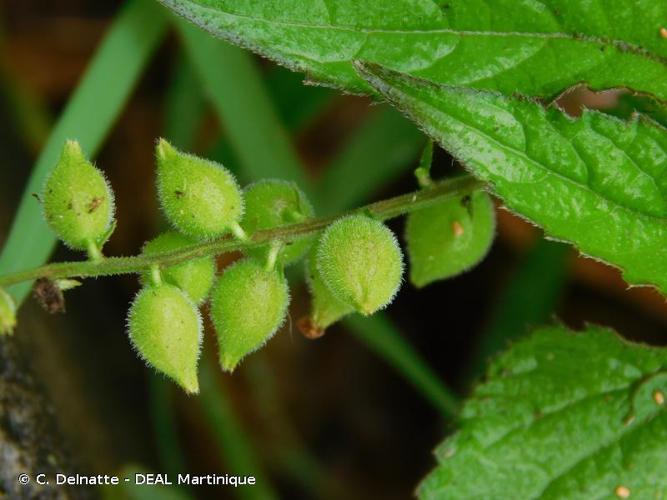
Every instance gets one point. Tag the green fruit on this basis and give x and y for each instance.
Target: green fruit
(199, 197)
(194, 277)
(274, 203)
(77, 200)
(326, 309)
(248, 305)
(166, 330)
(449, 238)
(360, 262)
(7, 313)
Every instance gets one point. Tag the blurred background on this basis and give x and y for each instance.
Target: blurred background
(353, 414)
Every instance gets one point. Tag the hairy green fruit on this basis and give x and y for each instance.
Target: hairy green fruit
(77, 200)
(248, 305)
(360, 262)
(325, 307)
(199, 197)
(166, 330)
(7, 313)
(274, 203)
(194, 277)
(449, 238)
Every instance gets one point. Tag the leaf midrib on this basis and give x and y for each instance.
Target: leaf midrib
(627, 156)
(620, 45)
(544, 168)
(568, 405)
(627, 431)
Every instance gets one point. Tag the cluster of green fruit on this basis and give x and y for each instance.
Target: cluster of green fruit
(354, 265)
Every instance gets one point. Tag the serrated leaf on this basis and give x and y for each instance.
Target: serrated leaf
(597, 181)
(536, 48)
(628, 104)
(561, 415)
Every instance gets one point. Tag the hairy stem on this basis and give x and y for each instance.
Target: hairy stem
(385, 209)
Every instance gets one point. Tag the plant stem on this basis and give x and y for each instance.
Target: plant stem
(156, 276)
(383, 210)
(238, 232)
(94, 252)
(423, 172)
(272, 258)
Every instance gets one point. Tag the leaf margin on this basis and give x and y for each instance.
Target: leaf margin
(374, 74)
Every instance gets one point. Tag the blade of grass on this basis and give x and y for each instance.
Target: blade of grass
(96, 103)
(164, 423)
(234, 85)
(296, 104)
(529, 299)
(377, 153)
(231, 437)
(184, 105)
(286, 449)
(381, 336)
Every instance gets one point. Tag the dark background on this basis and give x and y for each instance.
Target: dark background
(326, 418)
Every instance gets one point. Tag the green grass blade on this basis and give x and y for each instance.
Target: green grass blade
(231, 438)
(234, 85)
(164, 423)
(92, 110)
(185, 105)
(377, 152)
(296, 104)
(381, 336)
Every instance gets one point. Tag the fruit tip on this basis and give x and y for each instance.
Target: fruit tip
(191, 387)
(365, 308)
(228, 363)
(72, 147)
(163, 148)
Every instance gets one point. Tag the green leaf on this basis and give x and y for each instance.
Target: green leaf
(535, 48)
(561, 415)
(231, 437)
(239, 97)
(628, 104)
(382, 337)
(377, 152)
(597, 181)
